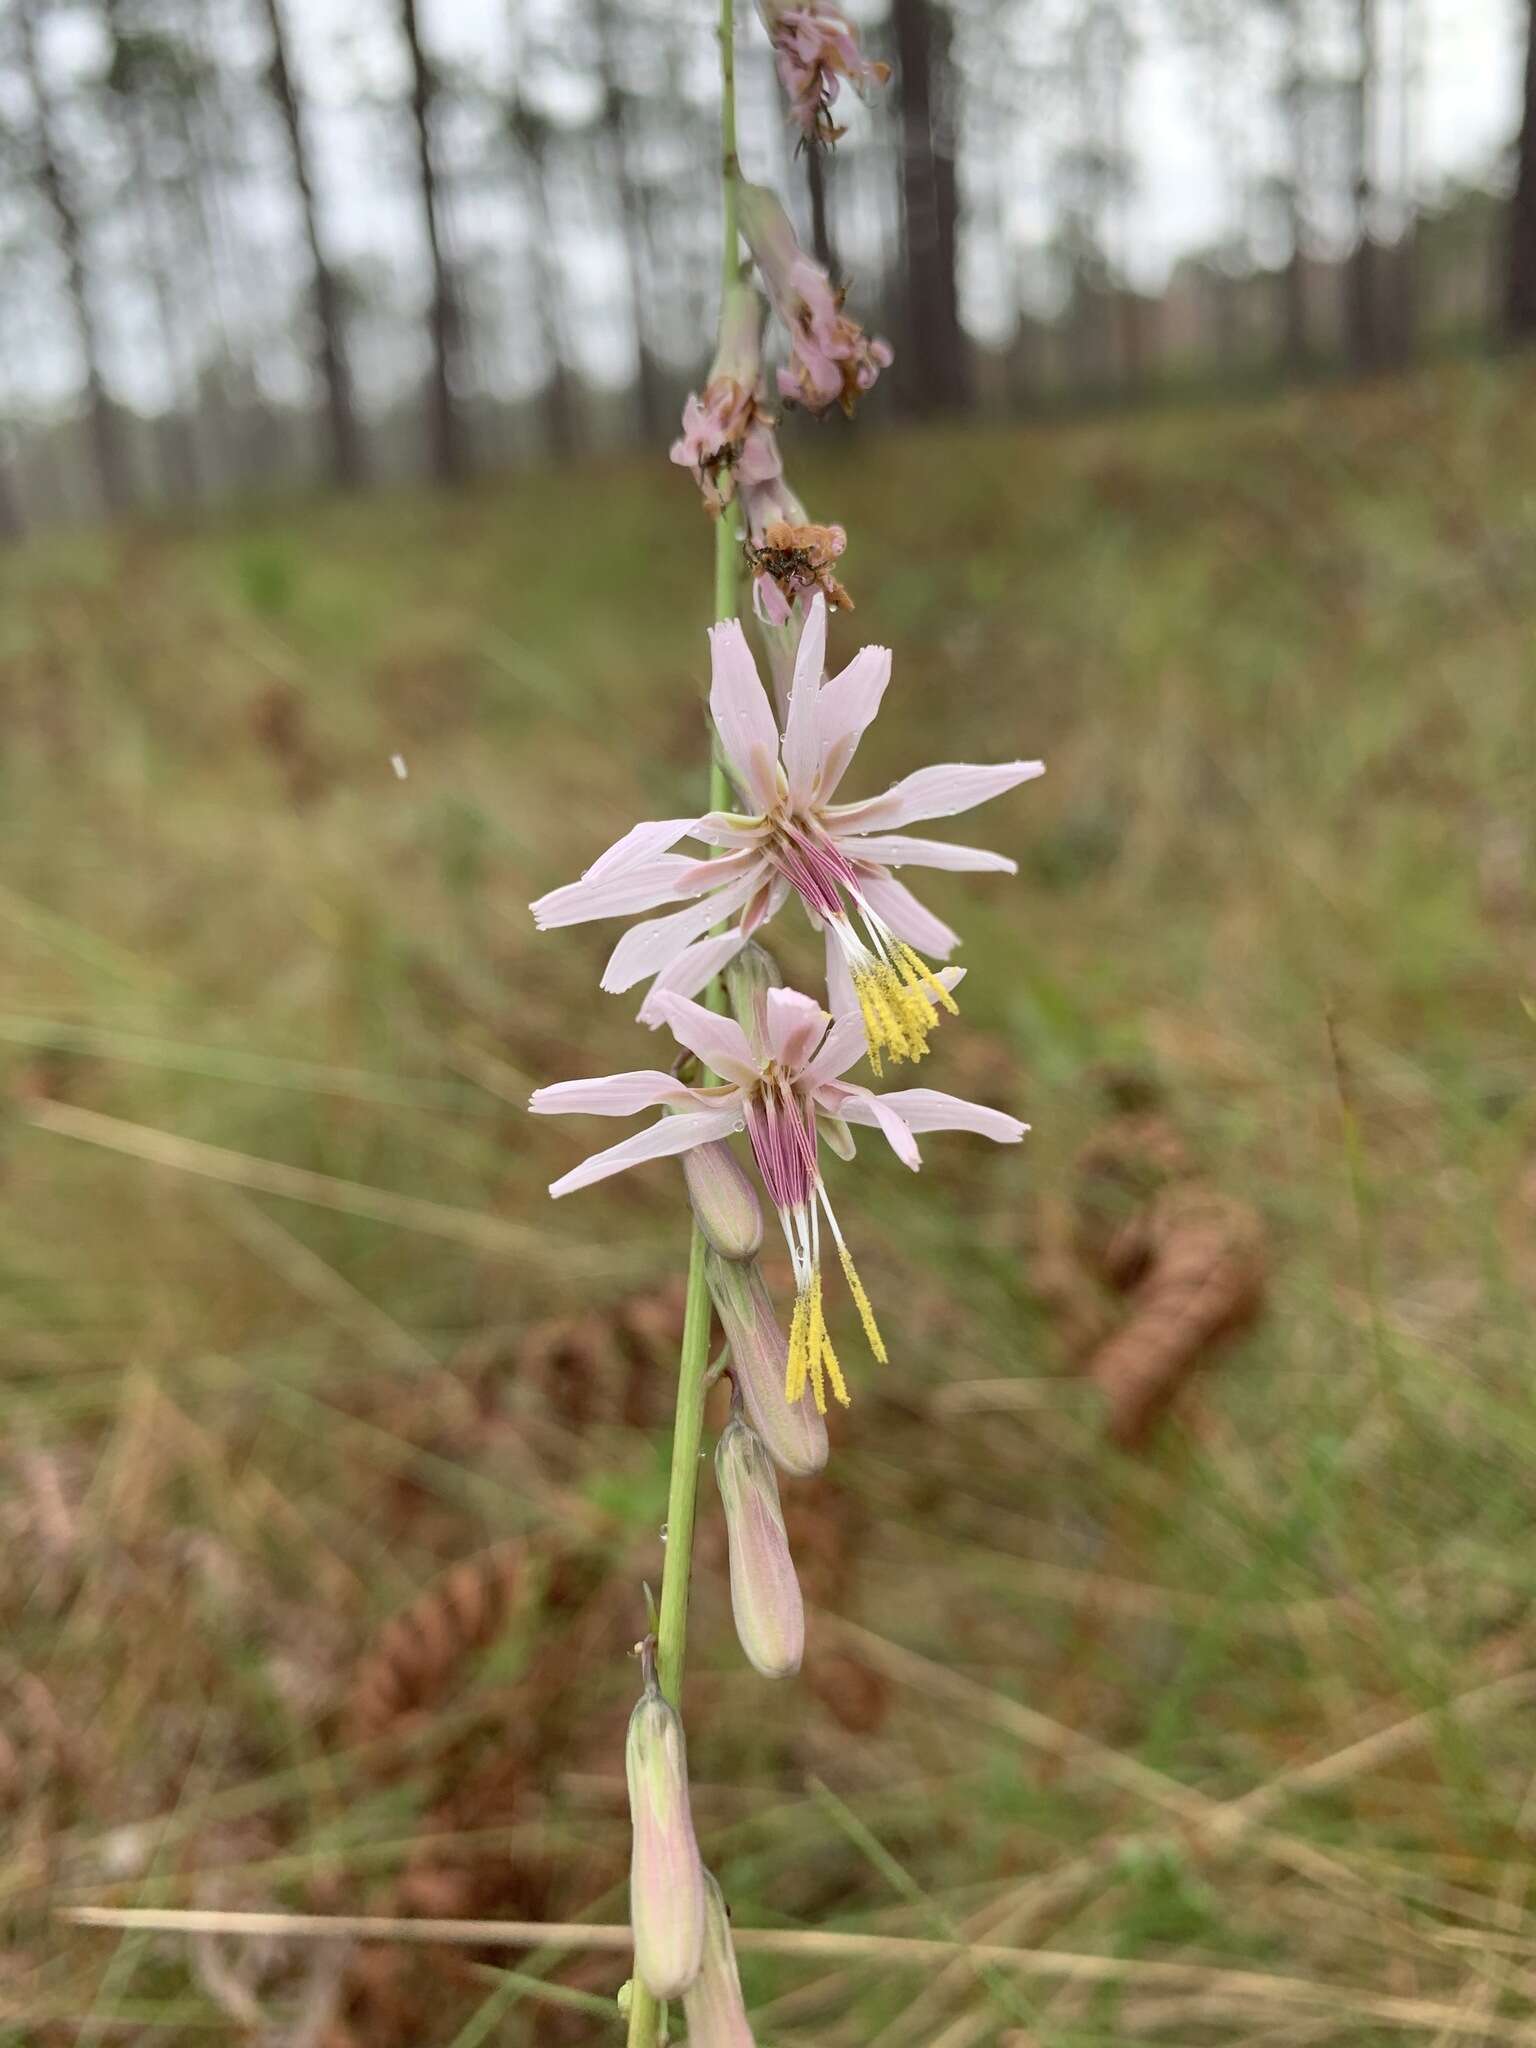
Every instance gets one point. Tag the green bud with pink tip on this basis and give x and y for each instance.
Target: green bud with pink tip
(712, 2004)
(725, 1203)
(765, 1594)
(666, 1878)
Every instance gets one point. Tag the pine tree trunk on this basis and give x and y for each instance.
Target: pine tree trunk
(443, 319)
(347, 465)
(103, 425)
(1362, 284)
(1520, 274)
(936, 379)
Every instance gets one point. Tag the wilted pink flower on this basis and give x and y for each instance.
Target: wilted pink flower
(790, 555)
(712, 2004)
(765, 1594)
(785, 1093)
(815, 48)
(726, 438)
(832, 360)
(791, 838)
(666, 1878)
(796, 1435)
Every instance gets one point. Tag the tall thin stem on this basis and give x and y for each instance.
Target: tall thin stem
(683, 1486)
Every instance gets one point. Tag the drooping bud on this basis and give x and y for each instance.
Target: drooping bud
(796, 1435)
(747, 981)
(666, 1878)
(832, 360)
(765, 1594)
(712, 2004)
(725, 1202)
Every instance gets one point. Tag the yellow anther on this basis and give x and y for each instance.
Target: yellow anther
(861, 1303)
(919, 975)
(799, 1360)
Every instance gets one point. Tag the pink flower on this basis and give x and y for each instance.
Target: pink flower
(832, 360)
(726, 437)
(791, 838)
(815, 47)
(785, 1092)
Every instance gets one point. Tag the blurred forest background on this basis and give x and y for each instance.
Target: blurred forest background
(248, 243)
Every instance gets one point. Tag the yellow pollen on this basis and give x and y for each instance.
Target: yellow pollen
(811, 1357)
(866, 1313)
(898, 1000)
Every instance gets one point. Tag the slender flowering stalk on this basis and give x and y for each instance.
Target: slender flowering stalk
(666, 1878)
(791, 838)
(785, 1092)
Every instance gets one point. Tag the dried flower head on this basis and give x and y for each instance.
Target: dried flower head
(832, 360)
(727, 438)
(815, 47)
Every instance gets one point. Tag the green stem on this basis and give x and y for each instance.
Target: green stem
(683, 1487)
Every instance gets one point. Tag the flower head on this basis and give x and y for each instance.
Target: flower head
(785, 1091)
(791, 838)
(832, 360)
(815, 47)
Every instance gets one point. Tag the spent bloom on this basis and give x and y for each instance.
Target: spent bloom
(727, 439)
(791, 838)
(832, 360)
(792, 558)
(786, 1091)
(815, 48)
(765, 1594)
(666, 1878)
(712, 2004)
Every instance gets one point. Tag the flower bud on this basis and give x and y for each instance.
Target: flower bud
(666, 1878)
(724, 1200)
(712, 2004)
(748, 979)
(796, 1435)
(765, 1594)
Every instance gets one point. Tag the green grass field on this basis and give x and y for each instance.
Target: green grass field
(1280, 662)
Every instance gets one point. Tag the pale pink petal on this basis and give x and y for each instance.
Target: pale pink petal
(802, 738)
(940, 792)
(718, 1041)
(640, 843)
(715, 873)
(693, 969)
(673, 1134)
(646, 949)
(618, 895)
(725, 828)
(930, 1109)
(765, 906)
(894, 902)
(610, 1095)
(793, 1025)
(863, 1106)
(843, 1047)
(896, 850)
(844, 710)
(744, 719)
